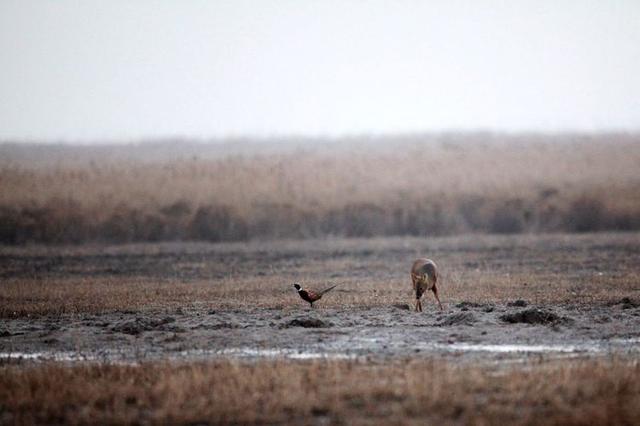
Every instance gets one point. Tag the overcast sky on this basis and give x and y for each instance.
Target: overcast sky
(86, 70)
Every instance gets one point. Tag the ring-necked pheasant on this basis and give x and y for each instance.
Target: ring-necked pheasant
(310, 295)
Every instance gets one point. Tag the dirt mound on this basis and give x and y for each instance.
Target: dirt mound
(216, 326)
(518, 303)
(461, 318)
(403, 306)
(534, 316)
(628, 303)
(464, 306)
(307, 323)
(139, 325)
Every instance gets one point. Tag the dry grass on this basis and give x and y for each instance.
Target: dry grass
(591, 269)
(404, 186)
(342, 392)
(23, 298)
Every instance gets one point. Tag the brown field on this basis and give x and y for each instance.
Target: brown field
(198, 333)
(191, 317)
(550, 269)
(323, 392)
(414, 185)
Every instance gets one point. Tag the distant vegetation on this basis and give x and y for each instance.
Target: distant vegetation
(237, 191)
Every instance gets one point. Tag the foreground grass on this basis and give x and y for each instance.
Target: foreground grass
(344, 392)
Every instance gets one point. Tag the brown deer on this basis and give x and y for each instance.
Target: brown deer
(424, 275)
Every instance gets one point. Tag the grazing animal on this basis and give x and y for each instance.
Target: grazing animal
(424, 275)
(310, 295)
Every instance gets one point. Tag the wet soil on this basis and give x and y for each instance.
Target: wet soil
(468, 331)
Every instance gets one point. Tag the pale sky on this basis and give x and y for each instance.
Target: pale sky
(124, 70)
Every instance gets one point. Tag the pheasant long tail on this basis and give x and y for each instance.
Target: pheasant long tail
(326, 290)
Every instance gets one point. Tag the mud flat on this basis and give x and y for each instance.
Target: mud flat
(504, 296)
(461, 332)
(535, 330)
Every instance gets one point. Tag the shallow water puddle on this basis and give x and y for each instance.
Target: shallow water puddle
(71, 356)
(48, 356)
(104, 356)
(469, 347)
(371, 348)
(586, 347)
(264, 353)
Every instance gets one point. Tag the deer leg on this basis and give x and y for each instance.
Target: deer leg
(435, 293)
(415, 288)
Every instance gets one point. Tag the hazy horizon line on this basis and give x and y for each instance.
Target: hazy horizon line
(326, 137)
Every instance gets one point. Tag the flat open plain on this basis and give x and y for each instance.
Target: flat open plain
(512, 305)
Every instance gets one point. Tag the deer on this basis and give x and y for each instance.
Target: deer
(424, 275)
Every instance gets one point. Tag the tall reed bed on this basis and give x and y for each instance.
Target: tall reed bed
(406, 186)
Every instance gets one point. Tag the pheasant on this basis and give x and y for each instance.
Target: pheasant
(310, 295)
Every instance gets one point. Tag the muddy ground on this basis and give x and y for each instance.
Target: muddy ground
(492, 327)
(474, 331)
